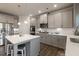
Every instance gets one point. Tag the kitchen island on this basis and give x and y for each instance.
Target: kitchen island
(33, 44)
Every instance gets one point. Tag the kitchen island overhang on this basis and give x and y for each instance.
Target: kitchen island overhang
(17, 40)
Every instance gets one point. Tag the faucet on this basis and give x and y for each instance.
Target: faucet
(76, 31)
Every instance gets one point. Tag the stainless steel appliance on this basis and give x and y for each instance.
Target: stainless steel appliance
(32, 30)
(1, 39)
(5, 29)
(43, 25)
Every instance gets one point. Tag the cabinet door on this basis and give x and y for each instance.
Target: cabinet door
(51, 21)
(58, 20)
(62, 42)
(43, 18)
(43, 37)
(48, 39)
(76, 15)
(32, 21)
(67, 18)
(54, 40)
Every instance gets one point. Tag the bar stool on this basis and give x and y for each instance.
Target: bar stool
(21, 52)
(9, 48)
(12, 52)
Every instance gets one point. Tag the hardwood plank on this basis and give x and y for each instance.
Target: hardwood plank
(47, 50)
(2, 51)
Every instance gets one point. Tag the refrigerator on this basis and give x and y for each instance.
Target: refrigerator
(5, 29)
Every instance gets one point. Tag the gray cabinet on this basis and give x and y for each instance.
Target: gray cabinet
(43, 18)
(44, 38)
(55, 20)
(60, 19)
(76, 15)
(61, 41)
(67, 18)
(33, 21)
(54, 40)
(51, 21)
(58, 41)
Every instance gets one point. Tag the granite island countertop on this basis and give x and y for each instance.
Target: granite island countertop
(15, 39)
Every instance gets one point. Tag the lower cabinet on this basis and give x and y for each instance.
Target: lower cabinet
(54, 40)
(61, 41)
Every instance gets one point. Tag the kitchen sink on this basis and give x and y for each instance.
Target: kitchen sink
(75, 40)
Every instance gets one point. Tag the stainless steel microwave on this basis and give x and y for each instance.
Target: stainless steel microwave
(43, 25)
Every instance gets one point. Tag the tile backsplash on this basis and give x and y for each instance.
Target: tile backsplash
(68, 31)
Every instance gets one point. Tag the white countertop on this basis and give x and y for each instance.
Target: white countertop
(59, 34)
(15, 39)
(72, 49)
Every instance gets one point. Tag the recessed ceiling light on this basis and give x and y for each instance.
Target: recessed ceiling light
(19, 23)
(39, 11)
(55, 5)
(30, 15)
(45, 15)
(25, 22)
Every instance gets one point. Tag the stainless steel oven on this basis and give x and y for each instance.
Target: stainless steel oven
(32, 30)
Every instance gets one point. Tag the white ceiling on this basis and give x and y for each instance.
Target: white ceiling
(30, 8)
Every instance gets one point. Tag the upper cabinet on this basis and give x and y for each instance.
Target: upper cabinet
(76, 15)
(60, 19)
(33, 21)
(6, 18)
(67, 18)
(51, 21)
(54, 20)
(43, 18)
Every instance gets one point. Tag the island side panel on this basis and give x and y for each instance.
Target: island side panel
(15, 49)
(35, 47)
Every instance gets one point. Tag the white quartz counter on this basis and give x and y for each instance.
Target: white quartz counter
(14, 39)
(72, 49)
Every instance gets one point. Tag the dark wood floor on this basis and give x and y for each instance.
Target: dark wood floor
(2, 50)
(47, 50)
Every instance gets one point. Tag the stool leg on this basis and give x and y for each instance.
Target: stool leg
(11, 52)
(7, 50)
(22, 52)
